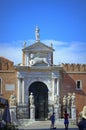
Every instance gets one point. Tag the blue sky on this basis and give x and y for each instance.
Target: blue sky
(62, 22)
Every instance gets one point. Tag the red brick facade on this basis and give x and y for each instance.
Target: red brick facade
(7, 77)
(71, 74)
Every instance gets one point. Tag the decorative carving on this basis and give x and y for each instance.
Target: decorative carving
(31, 97)
(38, 60)
(73, 99)
(12, 100)
(69, 99)
(37, 34)
(64, 100)
(56, 99)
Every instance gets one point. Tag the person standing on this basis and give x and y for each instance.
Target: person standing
(66, 120)
(82, 122)
(52, 118)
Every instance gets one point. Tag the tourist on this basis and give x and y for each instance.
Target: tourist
(66, 120)
(82, 122)
(52, 118)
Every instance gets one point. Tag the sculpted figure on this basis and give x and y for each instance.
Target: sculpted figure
(37, 34)
(73, 99)
(38, 60)
(31, 97)
(64, 100)
(69, 99)
(12, 100)
(56, 99)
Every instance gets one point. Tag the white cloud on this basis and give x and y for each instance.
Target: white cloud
(65, 52)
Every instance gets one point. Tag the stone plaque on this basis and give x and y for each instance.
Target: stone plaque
(10, 87)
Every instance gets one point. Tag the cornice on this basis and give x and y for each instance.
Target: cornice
(75, 72)
(7, 71)
(27, 68)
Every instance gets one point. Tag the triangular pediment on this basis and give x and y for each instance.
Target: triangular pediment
(38, 46)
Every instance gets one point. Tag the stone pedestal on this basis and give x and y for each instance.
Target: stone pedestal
(22, 111)
(32, 112)
(73, 114)
(13, 113)
(56, 110)
(69, 110)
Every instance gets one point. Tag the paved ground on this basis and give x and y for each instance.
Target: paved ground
(45, 125)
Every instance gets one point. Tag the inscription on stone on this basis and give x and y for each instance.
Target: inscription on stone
(10, 87)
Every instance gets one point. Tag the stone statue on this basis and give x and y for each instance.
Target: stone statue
(37, 34)
(73, 99)
(38, 60)
(31, 97)
(56, 99)
(24, 44)
(69, 99)
(64, 100)
(12, 100)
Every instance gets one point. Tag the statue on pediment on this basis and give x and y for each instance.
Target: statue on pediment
(37, 34)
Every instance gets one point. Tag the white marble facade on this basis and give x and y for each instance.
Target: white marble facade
(37, 66)
(25, 79)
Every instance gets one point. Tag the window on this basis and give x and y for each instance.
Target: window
(78, 84)
(0, 86)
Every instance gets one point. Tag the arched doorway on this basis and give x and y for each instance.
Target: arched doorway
(40, 92)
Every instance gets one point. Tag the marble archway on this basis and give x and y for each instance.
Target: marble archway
(40, 92)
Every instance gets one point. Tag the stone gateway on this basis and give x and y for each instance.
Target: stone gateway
(37, 87)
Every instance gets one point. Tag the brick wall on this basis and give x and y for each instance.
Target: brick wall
(69, 78)
(8, 77)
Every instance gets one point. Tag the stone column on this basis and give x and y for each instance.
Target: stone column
(18, 90)
(22, 91)
(26, 59)
(58, 87)
(55, 86)
(52, 89)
